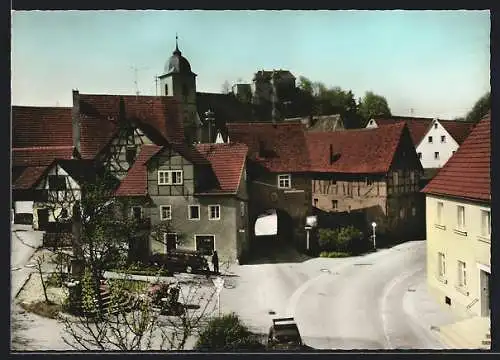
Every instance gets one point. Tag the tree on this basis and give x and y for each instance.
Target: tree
(480, 108)
(305, 84)
(373, 105)
(227, 333)
(226, 87)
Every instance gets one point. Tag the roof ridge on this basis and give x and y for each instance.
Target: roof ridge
(43, 148)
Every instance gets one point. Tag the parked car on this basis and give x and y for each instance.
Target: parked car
(284, 335)
(182, 261)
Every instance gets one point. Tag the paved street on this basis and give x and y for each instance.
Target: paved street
(378, 301)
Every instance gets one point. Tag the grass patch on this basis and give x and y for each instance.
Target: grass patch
(42, 308)
(134, 286)
(334, 254)
(151, 271)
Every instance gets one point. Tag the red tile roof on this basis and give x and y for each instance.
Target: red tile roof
(41, 126)
(278, 147)
(467, 173)
(28, 177)
(360, 151)
(459, 130)
(40, 155)
(227, 161)
(136, 181)
(418, 126)
(102, 113)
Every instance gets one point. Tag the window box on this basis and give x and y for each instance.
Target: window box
(213, 212)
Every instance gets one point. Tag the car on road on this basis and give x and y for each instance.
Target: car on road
(182, 261)
(284, 335)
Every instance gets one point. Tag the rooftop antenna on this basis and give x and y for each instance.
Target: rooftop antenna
(136, 82)
(156, 77)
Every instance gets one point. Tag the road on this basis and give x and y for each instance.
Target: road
(376, 301)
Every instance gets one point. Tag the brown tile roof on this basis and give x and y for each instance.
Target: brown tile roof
(360, 151)
(459, 130)
(418, 126)
(41, 126)
(102, 113)
(277, 147)
(467, 173)
(136, 181)
(28, 177)
(227, 161)
(40, 155)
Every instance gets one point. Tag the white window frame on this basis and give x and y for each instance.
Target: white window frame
(242, 208)
(443, 139)
(196, 242)
(462, 274)
(461, 217)
(485, 223)
(189, 212)
(441, 264)
(217, 206)
(335, 204)
(168, 177)
(413, 211)
(439, 212)
(436, 155)
(285, 178)
(435, 125)
(430, 139)
(165, 240)
(169, 211)
(395, 178)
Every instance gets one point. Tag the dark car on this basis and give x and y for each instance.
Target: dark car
(182, 261)
(284, 335)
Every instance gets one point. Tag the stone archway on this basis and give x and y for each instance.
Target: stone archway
(272, 229)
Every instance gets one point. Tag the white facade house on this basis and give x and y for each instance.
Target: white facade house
(436, 147)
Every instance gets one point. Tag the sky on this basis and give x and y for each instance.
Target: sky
(425, 63)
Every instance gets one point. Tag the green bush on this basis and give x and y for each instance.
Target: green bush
(343, 240)
(334, 254)
(227, 333)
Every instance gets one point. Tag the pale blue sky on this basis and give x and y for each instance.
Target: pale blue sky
(436, 62)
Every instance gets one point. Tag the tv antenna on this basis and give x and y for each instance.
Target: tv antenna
(156, 77)
(136, 81)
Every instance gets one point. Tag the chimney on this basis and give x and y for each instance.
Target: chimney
(76, 121)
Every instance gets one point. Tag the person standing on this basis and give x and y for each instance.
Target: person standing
(215, 261)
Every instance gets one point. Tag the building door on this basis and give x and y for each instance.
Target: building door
(43, 218)
(170, 242)
(485, 293)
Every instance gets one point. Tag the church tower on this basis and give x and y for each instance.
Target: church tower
(179, 81)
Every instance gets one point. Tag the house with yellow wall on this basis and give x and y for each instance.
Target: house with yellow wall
(458, 221)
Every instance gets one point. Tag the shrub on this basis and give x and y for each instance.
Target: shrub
(327, 239)
(344, 240)
(334, 254)
(227, 333)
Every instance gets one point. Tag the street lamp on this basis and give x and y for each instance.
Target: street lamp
(374, 225)
(311, 222)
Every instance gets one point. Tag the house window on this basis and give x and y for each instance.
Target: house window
(402, 213)
(435, 127)
(462, 274)
(130, 154)
(440, 213)
(419, 156)
(213, 212)
(284, 181)
(165, 212)
(242, 208)
(166, 89)
(485, 223)
(460, 217)
(57, 182)
(368, 181)
(430, 139)
(443, 138)
(205, 244)
(395, 178)
(335, 204)
(436, 155)
(413, 211)
(412, 177)
(137, 212)
(333, 182)
(170, 177)
(441, 265)
(315, 202)
(194, 212)
(170, 241)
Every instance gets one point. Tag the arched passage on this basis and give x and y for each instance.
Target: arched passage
(272, 228)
